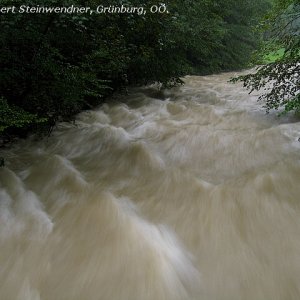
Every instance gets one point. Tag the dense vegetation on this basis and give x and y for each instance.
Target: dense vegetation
(279, 78)
(54, 65)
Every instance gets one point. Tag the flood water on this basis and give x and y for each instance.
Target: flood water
(194, 197)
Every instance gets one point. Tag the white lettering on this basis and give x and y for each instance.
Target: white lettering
(159, 9)
(7, 9)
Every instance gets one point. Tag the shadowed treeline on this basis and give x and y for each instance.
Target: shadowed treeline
(54, 65)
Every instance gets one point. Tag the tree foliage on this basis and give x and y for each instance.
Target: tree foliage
(280, 79)
(54, 65)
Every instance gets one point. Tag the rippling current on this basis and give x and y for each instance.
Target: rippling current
(194, 197)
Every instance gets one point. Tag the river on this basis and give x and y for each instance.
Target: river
(194, 197)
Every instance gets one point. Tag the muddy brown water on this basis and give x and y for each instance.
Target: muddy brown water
(195, 197)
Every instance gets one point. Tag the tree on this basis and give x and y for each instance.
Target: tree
(280, 79)
(52, 66)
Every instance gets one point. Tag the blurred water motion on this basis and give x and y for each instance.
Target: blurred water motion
(192, 197)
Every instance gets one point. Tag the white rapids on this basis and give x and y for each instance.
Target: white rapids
(194, 197)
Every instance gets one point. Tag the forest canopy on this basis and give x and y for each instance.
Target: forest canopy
(54, 65)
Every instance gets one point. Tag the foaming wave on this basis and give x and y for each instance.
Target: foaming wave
(190, 193)
(119, 246)
(21, 211)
